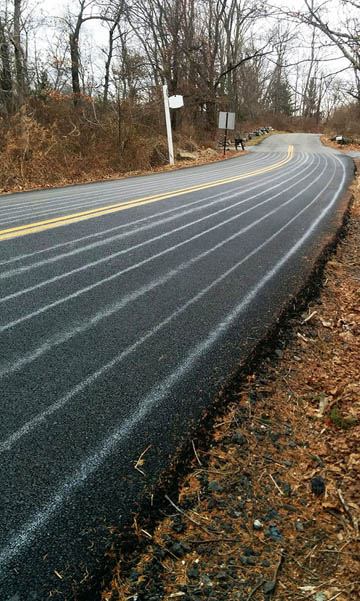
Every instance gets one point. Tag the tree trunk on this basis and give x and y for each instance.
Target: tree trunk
(19, 66)
(108, 62)
(75, 63)
(5, 75)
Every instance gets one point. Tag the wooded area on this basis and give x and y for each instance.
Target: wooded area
(70, 111)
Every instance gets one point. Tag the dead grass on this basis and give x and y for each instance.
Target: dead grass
(50, 143)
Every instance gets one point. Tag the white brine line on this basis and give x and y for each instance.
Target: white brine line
(40, 418)
(186, 205)
(123, 186)
(215, 199)
(38, 520)
(61, 338)
(6, 445)
(122, 196)
(137, 221)
(98, 283)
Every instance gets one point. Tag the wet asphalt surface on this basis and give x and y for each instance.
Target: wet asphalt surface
(117, 332)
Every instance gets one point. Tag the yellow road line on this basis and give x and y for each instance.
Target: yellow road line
(39, 226)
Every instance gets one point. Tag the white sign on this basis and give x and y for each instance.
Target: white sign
(226, 120)
(176, 102)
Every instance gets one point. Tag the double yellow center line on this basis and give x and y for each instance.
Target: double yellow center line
(39, 226)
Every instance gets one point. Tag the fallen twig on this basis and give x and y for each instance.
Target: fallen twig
(195, 453)
(140, 461)
(186, 515)
(302, 337)
(266, 458)
(277, 486)
(271, 584)
(347, 509)
(303, 567)
(334, 597)
(58, 574)
(213, 540)
(309, 317)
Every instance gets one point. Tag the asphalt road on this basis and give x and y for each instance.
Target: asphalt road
(124, 306)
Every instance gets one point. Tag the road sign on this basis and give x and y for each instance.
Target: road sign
(226, 120)
(176, 102)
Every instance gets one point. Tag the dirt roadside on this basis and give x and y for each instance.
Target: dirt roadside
(201, 157)
(270, 509)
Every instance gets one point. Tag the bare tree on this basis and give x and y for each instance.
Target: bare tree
(6, 83)
(114, 11)
(344, 37)
(20, 65)
(75, 23)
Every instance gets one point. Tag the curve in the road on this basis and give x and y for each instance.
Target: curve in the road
(31, 228)
(117, 331)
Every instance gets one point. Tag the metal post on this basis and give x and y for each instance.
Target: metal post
(168, 124)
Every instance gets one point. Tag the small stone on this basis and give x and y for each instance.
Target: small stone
(274, 436)
(186, 156)
(233, 513)
(318, 486)
(273, 533)
(299, 526)
(297, 358)
(320, 596)
(239, 438)
(269, 586)
(160, 553)
(179, 549)
(279, 353)
(214, 486)
(286, 488)
(265, 563)
(257, 525)
(178, 526)
(272, 514)
(193, 573)
(206, 580)
(221, 576)
(292, 444)
(250, 561)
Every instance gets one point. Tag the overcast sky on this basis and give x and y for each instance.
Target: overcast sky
(94, 35)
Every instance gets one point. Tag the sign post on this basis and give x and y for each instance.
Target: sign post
(226, 121)
(168, 124)
(174, 102)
